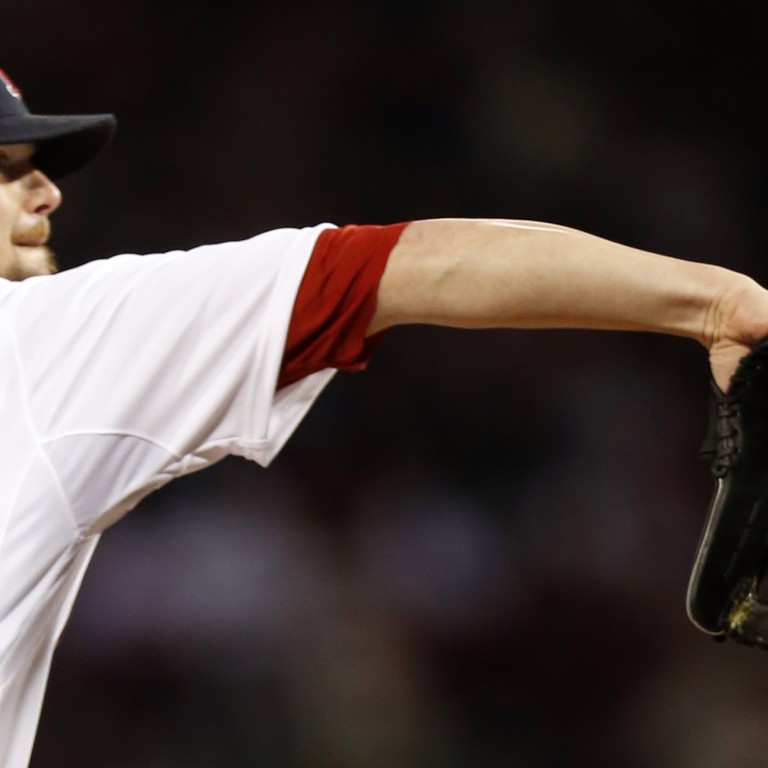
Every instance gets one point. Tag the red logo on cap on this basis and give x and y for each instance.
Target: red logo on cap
(10, 86)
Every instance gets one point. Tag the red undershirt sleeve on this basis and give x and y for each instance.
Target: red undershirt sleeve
(336, 301)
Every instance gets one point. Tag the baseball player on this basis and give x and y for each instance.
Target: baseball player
(123, 374)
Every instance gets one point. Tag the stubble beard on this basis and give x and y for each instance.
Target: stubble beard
(32, 256)
(33, 262)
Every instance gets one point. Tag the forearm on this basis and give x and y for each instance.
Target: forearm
(476, 274)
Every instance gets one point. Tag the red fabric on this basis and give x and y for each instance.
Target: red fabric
(336, 301)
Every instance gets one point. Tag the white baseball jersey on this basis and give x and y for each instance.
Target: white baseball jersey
(117, 377)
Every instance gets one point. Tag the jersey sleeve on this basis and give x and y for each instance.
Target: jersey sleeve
(181, 350)
(336, 301)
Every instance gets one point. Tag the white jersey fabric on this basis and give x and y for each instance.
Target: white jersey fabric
(117, 377)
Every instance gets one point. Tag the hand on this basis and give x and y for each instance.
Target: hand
(739, 319)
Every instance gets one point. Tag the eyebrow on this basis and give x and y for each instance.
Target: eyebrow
(9, 162)
(7, 159)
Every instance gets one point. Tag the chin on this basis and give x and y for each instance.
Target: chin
(34, 262)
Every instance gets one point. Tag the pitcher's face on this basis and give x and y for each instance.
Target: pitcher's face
(27, 199)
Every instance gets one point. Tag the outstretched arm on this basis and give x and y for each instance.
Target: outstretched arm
(514, 274)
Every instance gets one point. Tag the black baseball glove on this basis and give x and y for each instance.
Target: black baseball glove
(728, 589)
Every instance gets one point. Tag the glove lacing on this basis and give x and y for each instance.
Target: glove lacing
(724, 443)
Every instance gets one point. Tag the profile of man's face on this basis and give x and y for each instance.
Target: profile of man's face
(27, 199)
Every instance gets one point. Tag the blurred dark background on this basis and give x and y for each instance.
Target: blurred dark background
(476, 553)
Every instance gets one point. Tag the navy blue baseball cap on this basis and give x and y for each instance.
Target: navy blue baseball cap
(65, 143)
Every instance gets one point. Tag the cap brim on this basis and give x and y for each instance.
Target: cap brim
(65, 143)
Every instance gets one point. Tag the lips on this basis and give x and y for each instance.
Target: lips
(30, 243)
(33, 236)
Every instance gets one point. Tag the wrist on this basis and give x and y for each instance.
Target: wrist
(711, 296)
(733, 306)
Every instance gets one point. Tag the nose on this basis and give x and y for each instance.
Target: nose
(43, 197)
